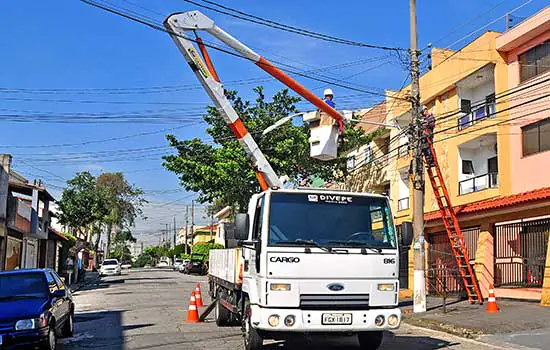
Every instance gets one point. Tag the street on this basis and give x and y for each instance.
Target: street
(146, 309)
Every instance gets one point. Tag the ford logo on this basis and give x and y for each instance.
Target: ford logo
(335, 287)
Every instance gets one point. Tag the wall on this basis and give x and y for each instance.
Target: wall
(526, 170)
(477, 94)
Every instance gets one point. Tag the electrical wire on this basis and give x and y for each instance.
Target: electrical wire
(161, 28)
(281, 26)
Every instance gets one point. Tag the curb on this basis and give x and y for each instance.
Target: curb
(464, 332)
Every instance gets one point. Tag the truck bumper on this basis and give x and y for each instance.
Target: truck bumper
(312, 321)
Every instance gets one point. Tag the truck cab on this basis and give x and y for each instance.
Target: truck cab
(319, 261)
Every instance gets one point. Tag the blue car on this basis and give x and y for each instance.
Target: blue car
(35, 309)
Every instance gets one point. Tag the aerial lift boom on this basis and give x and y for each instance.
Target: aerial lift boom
(180, 26)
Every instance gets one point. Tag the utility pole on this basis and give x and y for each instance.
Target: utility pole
(186, 227)
(418, 172)
(166, 230)
(175, 232)
(192, 220)
(211, 225)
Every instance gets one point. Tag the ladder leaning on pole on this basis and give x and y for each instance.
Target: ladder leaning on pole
(452, 227)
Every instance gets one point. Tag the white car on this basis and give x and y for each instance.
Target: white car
(177, 263)
(110, 267)
(163, 263)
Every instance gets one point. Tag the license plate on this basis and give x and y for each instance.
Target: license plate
(336, 319)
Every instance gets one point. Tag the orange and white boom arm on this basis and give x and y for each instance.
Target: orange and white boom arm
(180, 25)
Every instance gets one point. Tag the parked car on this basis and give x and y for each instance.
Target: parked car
(126, 264)
(177, 264)
(181, 268)
(35, 309)
(163, 262)
(110, 267)
(195, 266)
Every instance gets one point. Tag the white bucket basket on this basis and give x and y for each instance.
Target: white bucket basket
(323, 141)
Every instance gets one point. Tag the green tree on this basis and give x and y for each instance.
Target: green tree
(120, 249)
(222, 171)
(81, 206)
(123, 200)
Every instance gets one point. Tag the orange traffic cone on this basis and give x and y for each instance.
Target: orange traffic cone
(198, 296)
(192, 313)
(492, 301)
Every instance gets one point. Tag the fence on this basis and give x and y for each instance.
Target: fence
(443, 275)
(520, 253)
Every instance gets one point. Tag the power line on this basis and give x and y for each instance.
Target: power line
(158, 27)
(281, 26)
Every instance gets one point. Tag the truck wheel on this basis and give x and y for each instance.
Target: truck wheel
(370, 340)
(222, 314)
(252, 340)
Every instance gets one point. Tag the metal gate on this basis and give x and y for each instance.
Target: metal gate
(443, 275)
(520, 253)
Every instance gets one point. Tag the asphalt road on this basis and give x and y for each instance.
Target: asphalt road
(146, 309)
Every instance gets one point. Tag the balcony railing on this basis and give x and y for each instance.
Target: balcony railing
(403, 151)
(403, 204)
(479, 113)
(478, 183)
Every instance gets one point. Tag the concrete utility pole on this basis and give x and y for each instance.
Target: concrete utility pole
(211, 225)
(192, 220)
(418, 172)
(175, 232)
(166, 232)
(186, 228)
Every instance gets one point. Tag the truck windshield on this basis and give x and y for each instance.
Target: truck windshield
(330, 220)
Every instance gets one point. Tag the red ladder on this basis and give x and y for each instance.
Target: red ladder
(453, 229)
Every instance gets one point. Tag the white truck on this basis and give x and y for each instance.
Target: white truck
(308, 260)
(311, 261)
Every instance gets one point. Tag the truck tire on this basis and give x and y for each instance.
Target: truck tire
(223, 315)
(370, 340)
(252, 339)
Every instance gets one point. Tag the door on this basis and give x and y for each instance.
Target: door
(57, 303)
(66, 307)
(492, 166)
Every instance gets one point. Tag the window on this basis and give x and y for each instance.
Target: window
(52, 285)
(535, 61)
(60, 284)
(368, 154)
(465, 106)
(536, 137)
(351, 162)
(330, 220)
(467, 167)
(258, 216)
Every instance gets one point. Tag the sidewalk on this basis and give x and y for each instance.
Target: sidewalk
(89, 278)
(471, 321)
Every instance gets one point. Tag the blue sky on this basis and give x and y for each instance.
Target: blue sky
(67, 44)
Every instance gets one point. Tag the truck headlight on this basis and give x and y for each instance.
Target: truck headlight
(393, 320)
(386, 287)
(290, 320)
(279, 287)
(379, 320)
(22, 325)
(273, 320)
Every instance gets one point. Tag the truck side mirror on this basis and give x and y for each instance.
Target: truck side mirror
(242, 224)
(407, 233)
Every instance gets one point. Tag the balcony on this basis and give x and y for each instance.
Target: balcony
(476, 95)
(478, 183)
(478, 164)
(486, 110)
(403, 204)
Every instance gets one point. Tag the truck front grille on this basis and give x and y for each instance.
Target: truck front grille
(334, 301)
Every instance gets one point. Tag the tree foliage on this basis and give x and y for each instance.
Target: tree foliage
(221, 171)
(82, 205)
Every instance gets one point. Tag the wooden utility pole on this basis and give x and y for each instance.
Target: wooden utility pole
(418, 171)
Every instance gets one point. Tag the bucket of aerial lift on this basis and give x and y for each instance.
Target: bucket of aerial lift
(324, 134)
